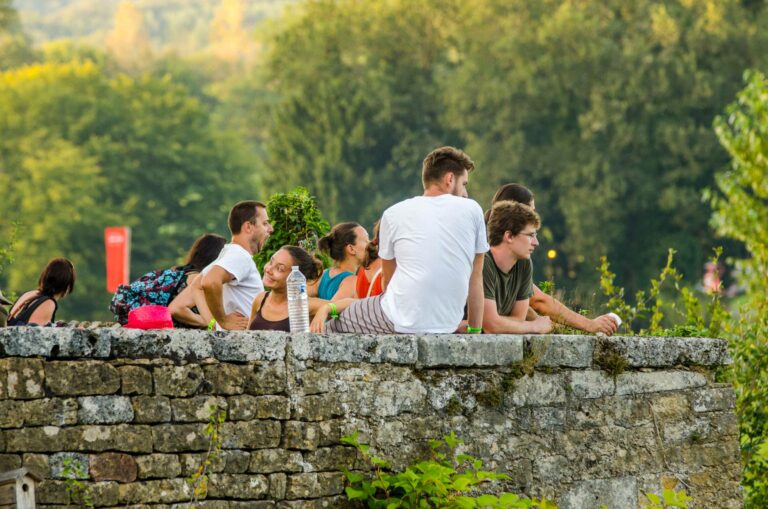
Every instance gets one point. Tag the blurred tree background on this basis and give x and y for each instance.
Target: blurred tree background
(634, 123)
(159, 114)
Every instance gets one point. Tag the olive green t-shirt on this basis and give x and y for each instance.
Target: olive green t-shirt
(507, 288)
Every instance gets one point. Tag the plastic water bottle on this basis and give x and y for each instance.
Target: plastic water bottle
(298, 302)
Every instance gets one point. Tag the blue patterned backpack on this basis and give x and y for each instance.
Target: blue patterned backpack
(158, 287)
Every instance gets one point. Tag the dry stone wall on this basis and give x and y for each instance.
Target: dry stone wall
(579, 419)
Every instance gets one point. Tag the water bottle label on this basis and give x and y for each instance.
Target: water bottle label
(302, 288)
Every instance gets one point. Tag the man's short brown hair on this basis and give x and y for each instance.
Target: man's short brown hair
(512, 217)
(443, 160)
(243, 212)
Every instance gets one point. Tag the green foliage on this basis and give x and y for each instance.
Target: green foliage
(604, 109)
(358, 101)
(741, 212)
(651, 307)
(668, 499)
(198, 481)
(82, 150)
(296, 221)
(8, 237)
(447, 480)
(78, 492)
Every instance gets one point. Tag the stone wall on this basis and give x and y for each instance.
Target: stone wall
(580, 419)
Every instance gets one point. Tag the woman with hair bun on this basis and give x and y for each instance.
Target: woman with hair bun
(270, 308)
(346, 245)
(38, 307)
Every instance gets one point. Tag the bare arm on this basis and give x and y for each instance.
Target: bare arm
(181, 306)
(388, 268)
(347, 288)
(213, 286)
(475, 305)
(548, 305)
(515, 323)
(324, 309)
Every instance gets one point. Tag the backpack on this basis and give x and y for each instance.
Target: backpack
(158, 287)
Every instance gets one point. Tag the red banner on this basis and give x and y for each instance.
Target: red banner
(117, 241)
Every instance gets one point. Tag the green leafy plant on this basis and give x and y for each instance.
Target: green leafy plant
(79, 493)
(447, 480)
(668, 499)
(199, 479)
(296, 220)
(653, 306)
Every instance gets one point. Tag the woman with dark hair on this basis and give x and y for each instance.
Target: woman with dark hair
(38, 307)
(188, 308)
(512, 192)
(368, 279)
(270, 308)
(346, 245)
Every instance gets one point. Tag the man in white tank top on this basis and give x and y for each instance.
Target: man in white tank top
(432, 249)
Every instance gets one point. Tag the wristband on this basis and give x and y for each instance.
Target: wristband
(334, 312)
(474, 330)
(212, 324)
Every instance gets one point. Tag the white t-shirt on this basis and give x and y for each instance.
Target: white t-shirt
(239, 293)
(434, 241)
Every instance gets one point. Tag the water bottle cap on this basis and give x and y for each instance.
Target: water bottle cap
(294, 268)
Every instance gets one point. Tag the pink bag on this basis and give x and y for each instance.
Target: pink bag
(149, 317)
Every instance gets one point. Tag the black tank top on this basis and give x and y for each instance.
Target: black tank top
(23, 315)
(261, 323)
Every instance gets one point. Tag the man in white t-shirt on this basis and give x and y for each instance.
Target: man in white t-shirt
(232, 281)
(432, 249)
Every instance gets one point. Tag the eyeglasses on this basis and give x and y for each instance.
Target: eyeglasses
(531, 235)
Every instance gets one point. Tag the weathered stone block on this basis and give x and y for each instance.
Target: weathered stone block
(318, 407)
(179, 438)
(251, 434)
(10, 414)
(713, 399)
(245, 407)
(237, 346)
(111, 466)
(591, 384)
(81, 378)
(330, 459)
(266, 378)
(135, 380)
(178, 381)
(314, 485)
(226, 461)
(238, 486)
(152, 492)
(123, 438)
(53, 342)
(196, 409)
(465, 351)
(562, 351)
(657, 381)
(39, 463)
(52, 492)
(267, 461)
(619, 492)
(278, 483)
(394, 349)
(105, 409)
(158, 465)
(151, 409)
(24, 378)
(9, 462)
(49, 412)
(539, 389)
(45, 439)
(226, 379)
(69, 465)
(301, 435)
(662, 352)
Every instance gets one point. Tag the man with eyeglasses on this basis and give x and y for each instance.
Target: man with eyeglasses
(507, 284)
(232, 281)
